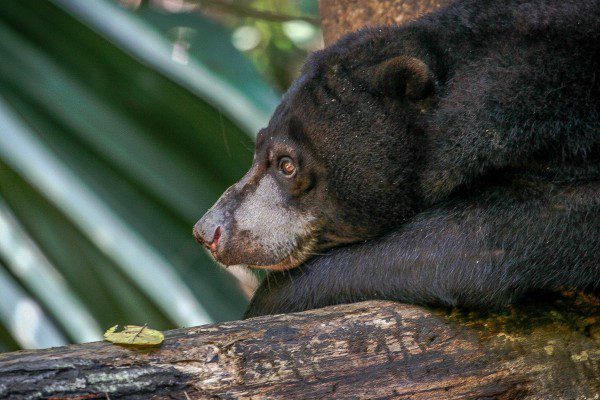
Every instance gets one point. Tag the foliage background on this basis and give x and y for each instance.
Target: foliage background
(121, 122)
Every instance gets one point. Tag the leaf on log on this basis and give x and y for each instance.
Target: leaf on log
(134, 336)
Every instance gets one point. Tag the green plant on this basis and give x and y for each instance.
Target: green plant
(111, 146)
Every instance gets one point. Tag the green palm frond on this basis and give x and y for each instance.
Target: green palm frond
(110, 149)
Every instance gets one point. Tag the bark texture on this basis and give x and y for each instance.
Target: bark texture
(344, 16)
(364, 350)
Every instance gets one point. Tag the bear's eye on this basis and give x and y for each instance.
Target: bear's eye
(286, 166)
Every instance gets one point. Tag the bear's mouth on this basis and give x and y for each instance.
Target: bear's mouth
(302, 252)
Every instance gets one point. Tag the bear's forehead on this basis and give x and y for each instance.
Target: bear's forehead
(325, 90)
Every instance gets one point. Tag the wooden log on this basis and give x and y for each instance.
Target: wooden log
(363, 350)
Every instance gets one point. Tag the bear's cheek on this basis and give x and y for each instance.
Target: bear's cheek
(265, 230)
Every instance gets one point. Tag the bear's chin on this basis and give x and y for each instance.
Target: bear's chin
(292, 260)
(281, 266)
(289, 262)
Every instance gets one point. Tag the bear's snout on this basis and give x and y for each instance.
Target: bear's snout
(252, 224)
(209, 233)
(217, 231)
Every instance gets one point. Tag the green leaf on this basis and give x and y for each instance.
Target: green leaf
(25, 260)
(143, 42)
(68, 192)
(135, 336)
(109, 152)
(24, 318)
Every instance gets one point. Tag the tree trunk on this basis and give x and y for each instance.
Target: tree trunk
(363, 350)
(344, 16)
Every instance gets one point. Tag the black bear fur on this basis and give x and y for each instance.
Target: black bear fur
(464, 147)
(483, 250)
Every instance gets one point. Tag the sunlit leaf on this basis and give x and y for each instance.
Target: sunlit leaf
(135, 336)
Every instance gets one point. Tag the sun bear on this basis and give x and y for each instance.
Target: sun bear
(452, 160)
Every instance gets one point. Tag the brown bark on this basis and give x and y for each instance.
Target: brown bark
(344, 16)
(363, 350)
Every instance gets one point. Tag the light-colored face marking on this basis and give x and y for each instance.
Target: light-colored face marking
(278, 229)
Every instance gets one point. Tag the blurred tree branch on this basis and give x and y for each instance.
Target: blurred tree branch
(250, 12)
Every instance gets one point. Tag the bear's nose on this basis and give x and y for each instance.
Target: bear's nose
(208, 233)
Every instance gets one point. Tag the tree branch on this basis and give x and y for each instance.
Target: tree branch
(344, 16)
(249, 12)
(363, 350)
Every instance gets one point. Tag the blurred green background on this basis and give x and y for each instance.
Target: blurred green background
(121, 122)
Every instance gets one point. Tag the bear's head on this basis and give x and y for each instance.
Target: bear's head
(336, 164)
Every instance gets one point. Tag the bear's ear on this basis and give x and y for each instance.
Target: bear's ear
(404, 76)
